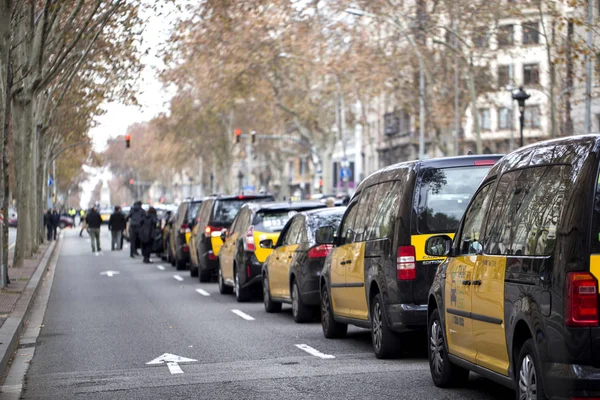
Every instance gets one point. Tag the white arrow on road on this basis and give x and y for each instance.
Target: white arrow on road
(172, 362)
(110, 274)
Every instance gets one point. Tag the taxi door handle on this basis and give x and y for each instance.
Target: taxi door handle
(467, 283)
(289, 256)
(477, 283)
(348, 262)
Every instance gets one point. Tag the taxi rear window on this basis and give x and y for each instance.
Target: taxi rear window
(271, 222)
(225, 210)
(444, 195)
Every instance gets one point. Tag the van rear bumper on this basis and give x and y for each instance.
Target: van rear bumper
(407, 317)
(563, 381)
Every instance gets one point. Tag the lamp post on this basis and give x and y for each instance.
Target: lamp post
(521, 97)
(241, 180)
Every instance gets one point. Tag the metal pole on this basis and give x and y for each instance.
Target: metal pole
(54, 183)
(249, 159)
(456, 100)
(345, 182)
(4, 266)
(421, 107)
(588, 71)
(521, 122)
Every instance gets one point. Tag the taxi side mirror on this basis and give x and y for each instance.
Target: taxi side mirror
(438, 246)
(325, 235)
(266, 244)
(224, 235)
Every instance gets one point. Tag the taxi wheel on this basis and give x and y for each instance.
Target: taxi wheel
(223, 288)
(300, 311)
(179, 264)
(443, 372)
(270, 305)
(386, 343)
(193, 271)
(331, 328)
(241, 294)
(204, 276)
(171, 258)
(530, 385)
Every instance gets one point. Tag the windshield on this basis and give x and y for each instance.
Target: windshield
(226, 210)
(444, 196)
(192, 210)
(329, 218)
(272, 221)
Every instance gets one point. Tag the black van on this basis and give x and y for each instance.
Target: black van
(378, 275)
(517, 298)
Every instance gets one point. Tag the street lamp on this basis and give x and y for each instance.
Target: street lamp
(241, 180)
(521, 96)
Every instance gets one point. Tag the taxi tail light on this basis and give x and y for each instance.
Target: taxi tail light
(406, 266)
(209, 230)
(184, 228)
(581, 300)
(248, 270)
(481, 163)
(249, 240)
(319, 251)
(211, 255)
(186, 248)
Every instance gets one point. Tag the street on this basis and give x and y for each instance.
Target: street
(108, 316)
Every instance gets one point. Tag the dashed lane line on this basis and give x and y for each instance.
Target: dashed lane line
(203, 292)
(243, 315)
(179, 278)
(314, 352)
(174, 368)
(160, 267)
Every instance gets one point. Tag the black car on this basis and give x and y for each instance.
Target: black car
(180, 232)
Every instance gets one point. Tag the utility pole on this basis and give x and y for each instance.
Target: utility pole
(456, 93)
(588, 70)
(249, 159)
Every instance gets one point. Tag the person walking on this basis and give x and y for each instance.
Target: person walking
(49, 224)
(146, 232)
(81, 216)
(116, 225)
(94, 221)
(55, 222)
(135, 217)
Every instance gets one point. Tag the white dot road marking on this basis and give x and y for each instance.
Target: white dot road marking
(314, 352)
(180, 279)
(174, 368)
(160, 267)
(243, 315)
(203, 292)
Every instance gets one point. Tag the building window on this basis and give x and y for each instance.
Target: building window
(505, 35)
(531, 74)
(597, 66)
(505, 75)
(484, 119)
(505, 118)
(302, 167)
(531, 34)
(480, 38)
(532, 117)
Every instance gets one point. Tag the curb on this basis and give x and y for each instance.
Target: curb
(13, 326)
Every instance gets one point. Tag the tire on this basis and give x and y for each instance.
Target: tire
(331, 328)
(204, 276)
(529, 376)
(170, 257)
(270, 305)
(300, 311)
(194, 272)
(443, 373)
(241, 294)
(386, 343)
(223, 288)
(180, 264)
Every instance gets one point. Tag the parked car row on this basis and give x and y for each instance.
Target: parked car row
(496, 259)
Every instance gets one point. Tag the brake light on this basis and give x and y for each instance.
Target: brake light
(319, 251)
(581, 300)
(184, 228)
(481, 163)
(249, 240)
(406, 266)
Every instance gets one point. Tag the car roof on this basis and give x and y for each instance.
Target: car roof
(325, 211)
(242, 196)
(285, 206)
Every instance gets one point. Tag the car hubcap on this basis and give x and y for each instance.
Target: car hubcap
(527, 380)
(325, 309)
(436, 347)
(295, 300)
(377, 333)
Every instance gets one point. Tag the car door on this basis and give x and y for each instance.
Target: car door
(278, 277)
(339, 255)
(227, 253)
(459, 277)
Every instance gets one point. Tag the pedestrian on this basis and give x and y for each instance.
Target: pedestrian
(135, 217)
(55, 223)
(81, 217)
(94, 221)
(146, 232)
(82, 223)
(116, 225)
(49, 224)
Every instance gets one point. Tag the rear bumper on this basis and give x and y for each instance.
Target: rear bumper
(563, 381)
(251, 270)
(311, 294)
(407, 317)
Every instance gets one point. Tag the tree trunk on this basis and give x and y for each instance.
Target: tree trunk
(568, 127)
(474, 110)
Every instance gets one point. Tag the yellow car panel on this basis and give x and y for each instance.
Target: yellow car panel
(192, 243)
(595, 265)
(226, 254)
(354, 294)
(459, 325)
(105, 217)
(188, 235)
(279, 271)
(216, 242)
(488, 300)
(337, 278)
(261, 253)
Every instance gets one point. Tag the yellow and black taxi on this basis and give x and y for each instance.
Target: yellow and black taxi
(291, 273)
(245, 246)
(517, 298)
(377, 276)
(180, 232)
(215, 215)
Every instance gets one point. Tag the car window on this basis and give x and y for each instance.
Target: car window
(271, 221)
(364, 213)
(346, 232)
(469, 240)
(315, 221)
(204, 212)
(192, 210)
(225, 210)
(526, 211)
(293, 233)
(384, 211)
(444, 193)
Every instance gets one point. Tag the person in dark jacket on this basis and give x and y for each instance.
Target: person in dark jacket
(135, 218)
(116, 225)
(146, 232)
(94, 221)
(55, 222)
(49, 224)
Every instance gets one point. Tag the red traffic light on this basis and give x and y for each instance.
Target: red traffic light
(127, 141)
(131, 181)
(237, 133)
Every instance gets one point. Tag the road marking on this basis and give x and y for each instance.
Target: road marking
(174, 368)
(110, 274)
(180, 279)
(160, 267)
(314, 352)
(243, 315)
(203, 292)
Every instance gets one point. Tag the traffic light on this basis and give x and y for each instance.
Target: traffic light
(237, 133)
(131, 181)
(253, 137)
(127, 141)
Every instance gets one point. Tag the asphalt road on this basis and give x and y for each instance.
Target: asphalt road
(100, 332)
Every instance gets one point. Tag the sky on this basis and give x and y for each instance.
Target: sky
(153, 99)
